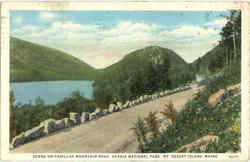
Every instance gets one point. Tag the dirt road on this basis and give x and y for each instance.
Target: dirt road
(107, 134)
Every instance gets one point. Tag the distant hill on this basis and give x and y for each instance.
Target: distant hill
(210, 57)
(141, 58)
(33, 62)
(143, 71)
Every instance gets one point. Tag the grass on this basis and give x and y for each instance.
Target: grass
(199, 119)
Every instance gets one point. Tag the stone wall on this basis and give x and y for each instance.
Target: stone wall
(50, 125)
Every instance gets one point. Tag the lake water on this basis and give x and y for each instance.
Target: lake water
(50, 91)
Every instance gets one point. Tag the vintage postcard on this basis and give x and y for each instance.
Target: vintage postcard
(125, 81)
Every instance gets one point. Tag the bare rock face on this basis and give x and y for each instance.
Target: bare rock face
(216, 97)
(18, 140)
(49, 125)
(164, 125)
(84, 117)
(163, 121)
(75, 117)
(234, 87)
(198, 144)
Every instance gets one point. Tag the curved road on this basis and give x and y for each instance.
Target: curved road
(108, 134)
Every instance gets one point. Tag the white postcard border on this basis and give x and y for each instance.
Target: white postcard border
(131, 6)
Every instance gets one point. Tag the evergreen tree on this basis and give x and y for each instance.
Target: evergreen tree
(231, 36)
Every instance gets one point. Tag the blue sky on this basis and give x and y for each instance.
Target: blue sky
(102, 38)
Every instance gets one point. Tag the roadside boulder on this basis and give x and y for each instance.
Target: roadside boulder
(130, 104)
(146, 98)
(119, 105)
(92, 116)
(105, 112)
(112, 108)
(75, 117)
(98, 112)
(49, 125)
(134, 102)
(84, 117)
(141, 99)
(60, 124)
(126, 105)
(68, 123)
(35, 133)
(154, 96)
(18, 140)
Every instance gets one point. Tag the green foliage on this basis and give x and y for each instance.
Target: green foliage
(231, 32)
(198, 119)
(33, 62)
(152, 123)
(28, 116)
(170, 112)
(212, 61)
(75, 103)
(216, 65)
(231, 75)
(228, 50)
(140, 131)
(141, 72)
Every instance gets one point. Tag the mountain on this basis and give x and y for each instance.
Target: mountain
(201, 64)
(33, 62)
(141, 58)
(141, 72)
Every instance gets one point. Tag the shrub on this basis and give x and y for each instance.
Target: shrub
(152, 123)
(170, 112)
(28, 116)
(140, 130)
(75, 103)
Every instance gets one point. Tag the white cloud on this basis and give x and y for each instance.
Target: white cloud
(48, 16)
(192, 32)
(102, 47)
(218, 22)
(127, 27)
(25, 30)
(65, 30)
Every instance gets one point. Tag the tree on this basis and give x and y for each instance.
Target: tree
(231, 36)
(39, 102)
(198, 65)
